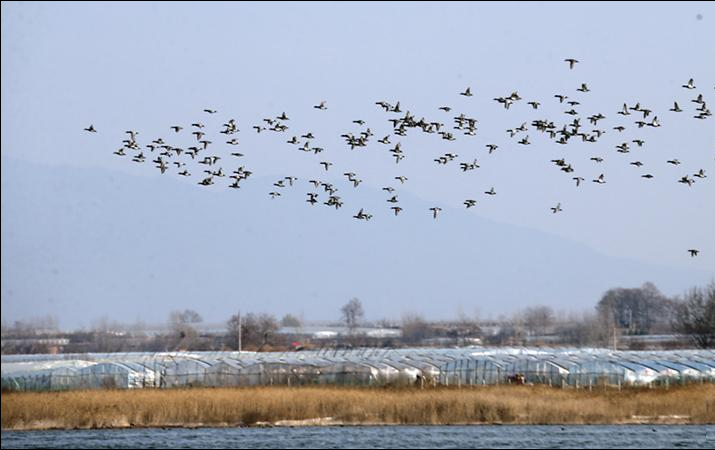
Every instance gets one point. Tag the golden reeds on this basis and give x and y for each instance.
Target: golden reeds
(250, 406)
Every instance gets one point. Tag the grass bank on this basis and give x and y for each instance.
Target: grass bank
(335, 405)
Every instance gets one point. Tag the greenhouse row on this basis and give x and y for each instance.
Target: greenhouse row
(362, 367)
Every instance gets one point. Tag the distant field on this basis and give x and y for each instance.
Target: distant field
(332, 405)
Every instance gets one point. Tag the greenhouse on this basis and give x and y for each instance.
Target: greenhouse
(464, 367)
(581, 369)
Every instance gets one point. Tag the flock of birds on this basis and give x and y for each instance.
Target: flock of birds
(166, 155)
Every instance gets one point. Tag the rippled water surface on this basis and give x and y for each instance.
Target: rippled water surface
(624, 436)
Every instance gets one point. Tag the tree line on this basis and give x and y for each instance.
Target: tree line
(618, 319)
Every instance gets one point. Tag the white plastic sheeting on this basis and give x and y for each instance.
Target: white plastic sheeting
(461, 367)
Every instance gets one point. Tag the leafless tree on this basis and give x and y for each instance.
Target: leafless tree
(289, 320)
(584, 332)
(267, 326)
(352, 312)
(233, 327)
(538, 319)
(32, 327)
(257, 331)
(107, 335)
(415, 328)
(695, 315)
(634, 310)
(182, 325)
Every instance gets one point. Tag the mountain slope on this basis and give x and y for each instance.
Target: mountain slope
(83, 244)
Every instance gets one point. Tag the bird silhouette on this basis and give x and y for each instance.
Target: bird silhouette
(572, 62)
(362, 215)
(686, 180)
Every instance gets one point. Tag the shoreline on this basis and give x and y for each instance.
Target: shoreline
(351, 407)
(321, 422)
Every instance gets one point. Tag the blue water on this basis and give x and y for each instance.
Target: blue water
(507, 436)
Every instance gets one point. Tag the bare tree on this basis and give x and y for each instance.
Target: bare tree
(106, 335)
(256, 330)
(583, 332)
(289, 320)
(352, 312)
(634, 310)
(415, 328)
(267, 327)
(538, 319)
(233, 326)
(32, 327)
(695, 315)
(182, 325)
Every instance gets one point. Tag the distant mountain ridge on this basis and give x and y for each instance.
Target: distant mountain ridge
(82, 244)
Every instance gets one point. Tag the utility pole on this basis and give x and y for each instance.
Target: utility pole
(615, 326)
(615, 347)
(240, 322)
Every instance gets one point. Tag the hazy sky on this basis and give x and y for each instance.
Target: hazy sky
(148, 66)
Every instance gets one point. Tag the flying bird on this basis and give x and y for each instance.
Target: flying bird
(362, 215)
(686, 180)
(560, 130)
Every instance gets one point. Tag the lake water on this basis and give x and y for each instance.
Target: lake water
(507, 436)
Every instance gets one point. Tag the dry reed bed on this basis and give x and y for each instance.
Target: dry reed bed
(250, 406)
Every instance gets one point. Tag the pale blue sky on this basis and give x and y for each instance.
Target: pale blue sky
(147, 66)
